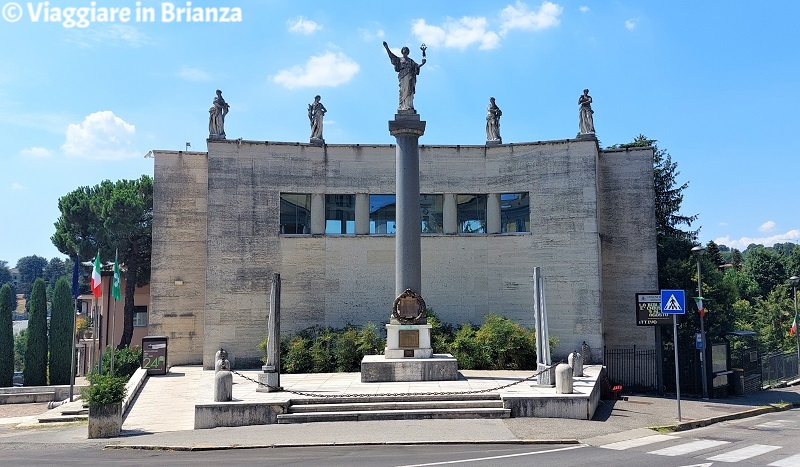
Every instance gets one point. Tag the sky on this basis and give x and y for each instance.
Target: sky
(84, 100)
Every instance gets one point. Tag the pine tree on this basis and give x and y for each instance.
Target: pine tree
(6, 338)
(35, 372)
(61, 316)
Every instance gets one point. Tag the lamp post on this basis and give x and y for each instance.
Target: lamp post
(698, 252)
(794, 280)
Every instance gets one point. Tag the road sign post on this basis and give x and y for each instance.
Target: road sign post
(673, 302)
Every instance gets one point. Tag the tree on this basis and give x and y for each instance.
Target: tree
(61, 329)
(35, 372)
(766, 268)
(30, 268)
(54, 270)
(111, 217)
(793, 263)
(5, 273)
(6, 338)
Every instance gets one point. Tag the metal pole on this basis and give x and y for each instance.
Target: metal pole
(72, 352)
(677, 373)
(797, 332)
(702, 334)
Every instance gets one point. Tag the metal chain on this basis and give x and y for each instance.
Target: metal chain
(396, 394)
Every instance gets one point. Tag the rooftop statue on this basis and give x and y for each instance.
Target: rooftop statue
(586, 119)
(493, 121)
(316, 112)
(407, 71)
(216, 117)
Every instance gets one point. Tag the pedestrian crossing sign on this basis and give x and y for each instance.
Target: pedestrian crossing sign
(673, 302)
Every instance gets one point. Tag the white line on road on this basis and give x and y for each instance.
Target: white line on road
(792, 461)
(682, 449)
(481, 459)
(744, 453)
(637, 442)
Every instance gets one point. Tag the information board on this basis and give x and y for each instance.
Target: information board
(154, 355)
(648, 310)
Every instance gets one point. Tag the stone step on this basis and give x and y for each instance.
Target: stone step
(395, 405)
(488, 396)
(27, 397)
(423, 414)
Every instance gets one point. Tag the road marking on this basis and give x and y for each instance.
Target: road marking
(637, 442)
(481, 459)
(686, 448)
(792, 461)
(744, 453)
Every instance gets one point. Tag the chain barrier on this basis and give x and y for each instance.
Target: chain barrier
(397, 394)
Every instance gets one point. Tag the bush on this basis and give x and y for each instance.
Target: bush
(508, 345)
(126, 361)
(297, 357)
(105, 389)
(471, 354)
(369, 341)
(441, 334)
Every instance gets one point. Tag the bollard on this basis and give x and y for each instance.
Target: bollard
(563, 379)
(218, 357)
(223, 382)
(575, 360)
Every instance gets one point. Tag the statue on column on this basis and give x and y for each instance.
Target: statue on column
(586, 119)
(407, 71)
(216, 117)
(316, 112)
(493, 122)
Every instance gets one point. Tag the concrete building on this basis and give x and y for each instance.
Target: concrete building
(322, 216)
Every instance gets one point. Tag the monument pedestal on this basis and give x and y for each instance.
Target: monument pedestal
(379, 369)
(408, 341)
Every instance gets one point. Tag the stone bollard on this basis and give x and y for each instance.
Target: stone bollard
(563, 379)
(575, 360)
(586, 351)
(218, 357)
(223, 382)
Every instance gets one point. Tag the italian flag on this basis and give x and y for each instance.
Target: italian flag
(700, 309)
(96, 280)
(793, 329)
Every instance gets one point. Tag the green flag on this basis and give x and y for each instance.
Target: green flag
(115, 292)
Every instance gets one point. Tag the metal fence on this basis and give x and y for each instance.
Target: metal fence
(779, 366)
(634, 368)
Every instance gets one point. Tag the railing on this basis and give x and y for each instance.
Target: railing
(634, 368)
(779, 366)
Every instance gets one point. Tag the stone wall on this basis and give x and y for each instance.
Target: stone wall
(178, 282)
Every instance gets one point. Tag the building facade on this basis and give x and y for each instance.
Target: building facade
(322, 216)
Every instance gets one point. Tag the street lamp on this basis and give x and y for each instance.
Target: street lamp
(698, 252)
(794, 280)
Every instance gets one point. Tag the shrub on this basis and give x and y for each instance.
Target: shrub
(508, 345)
(321, 355)
(297, 357)
(471, 354)
(105, 389)
(35, 372)
(126, 361)
(370, 342)
(346, 351)
(441, 333)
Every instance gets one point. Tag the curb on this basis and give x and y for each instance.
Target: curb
(724, 418)
(151, 447)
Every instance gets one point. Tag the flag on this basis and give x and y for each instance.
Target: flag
(115, 284)
(96, 280)
(76, 273)
(793, 329)
(700, 309)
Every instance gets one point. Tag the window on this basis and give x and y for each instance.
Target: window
(140, 316)
(295, 213)
(340, 214)
(515, 212)
(431, 210)
(471, 213)
(382, 214)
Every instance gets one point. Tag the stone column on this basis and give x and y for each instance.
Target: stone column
(450, 214)
(493, 225)
(317, 213)
(407, 128)
(362, 214)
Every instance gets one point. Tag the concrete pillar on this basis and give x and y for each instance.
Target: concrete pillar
(450, 214)
(575, 360)
(317, 213)
(407, 128)
(362, 214)
(563, 379)
(493, 213)
(223, 385)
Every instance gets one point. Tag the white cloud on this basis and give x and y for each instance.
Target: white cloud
(742, 243)
(583, 9)
(36, 152)
(458, 34)
(113, 34)
(631, 23)
(369, 35)
(520, 17)
(194, 74)
(768, 226)
(101, 135)
(17, 186)
(304, 26)
(330, 69)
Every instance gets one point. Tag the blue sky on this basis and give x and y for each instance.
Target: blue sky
(711, 81)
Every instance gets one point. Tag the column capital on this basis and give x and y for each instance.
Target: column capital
(406, 125)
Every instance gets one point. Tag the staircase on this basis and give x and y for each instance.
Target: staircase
(409, 407)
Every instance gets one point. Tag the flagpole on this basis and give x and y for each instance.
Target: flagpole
(115, 283)
(75, 290)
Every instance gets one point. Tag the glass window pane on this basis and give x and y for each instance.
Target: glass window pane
(382, 214)
(295, 213)
(140, 316)
(471, 213)
(340, 214)
(431, 209)
(515, 212)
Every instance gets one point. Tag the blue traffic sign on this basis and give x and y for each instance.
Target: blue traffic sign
(673, 302)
